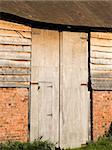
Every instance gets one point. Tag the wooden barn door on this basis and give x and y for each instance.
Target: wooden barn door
(59, 92)
(74, 98)
(45, 85)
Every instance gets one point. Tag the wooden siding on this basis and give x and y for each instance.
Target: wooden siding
(15, 54)
(101, 61)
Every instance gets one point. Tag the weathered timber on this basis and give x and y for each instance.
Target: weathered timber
(45, 72)
(102, 84)
(101, 61)
(14, 48)
(101, 49)
(13, 26)
(106, 36)
(101, 74)
(11, 63)
(100, 67)
(17, 71)
(101, 42)
(74, 98)
(101, 55)
(14, 33)
(15, 84)
(14, 56)
(14, 78)
(15, 41)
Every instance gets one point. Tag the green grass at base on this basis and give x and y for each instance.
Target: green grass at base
(102, 144)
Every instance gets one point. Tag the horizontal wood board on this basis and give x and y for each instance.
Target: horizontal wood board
(101, 61)
(15, 54)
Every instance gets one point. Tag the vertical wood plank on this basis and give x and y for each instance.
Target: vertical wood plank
(74, 97)
(45, 94)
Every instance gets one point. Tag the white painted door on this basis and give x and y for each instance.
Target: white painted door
(45, 85)
(74, 98)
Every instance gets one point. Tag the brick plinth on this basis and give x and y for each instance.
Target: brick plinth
(13, 114)
(102, 112)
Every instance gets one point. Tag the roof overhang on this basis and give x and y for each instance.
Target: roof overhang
(58, 14)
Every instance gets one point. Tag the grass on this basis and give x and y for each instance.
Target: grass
(101, 144)
(36, 145)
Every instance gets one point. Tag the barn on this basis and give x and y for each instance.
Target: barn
(55, 71)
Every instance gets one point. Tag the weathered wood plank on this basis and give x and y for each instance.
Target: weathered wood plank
(101, 67)
(101, 75)
(101, 61)
(14, 48)
(17, 71)
(13, 26)
(101, 35)
(45, 71)
(99, 86)
(14, 33)
(102, 84)
(10, 63)
(15, 84)
(15, 78)
(102, 55)
(14, 56)
(101, 42)
(74, 97)
(14, 41)
(101, 49)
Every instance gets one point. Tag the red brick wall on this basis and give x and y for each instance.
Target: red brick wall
(102, 112)
(13, 114)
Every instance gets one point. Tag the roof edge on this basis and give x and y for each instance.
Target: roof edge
(51, 26)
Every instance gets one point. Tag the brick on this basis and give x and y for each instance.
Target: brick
(13, 114)
(102, 112)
